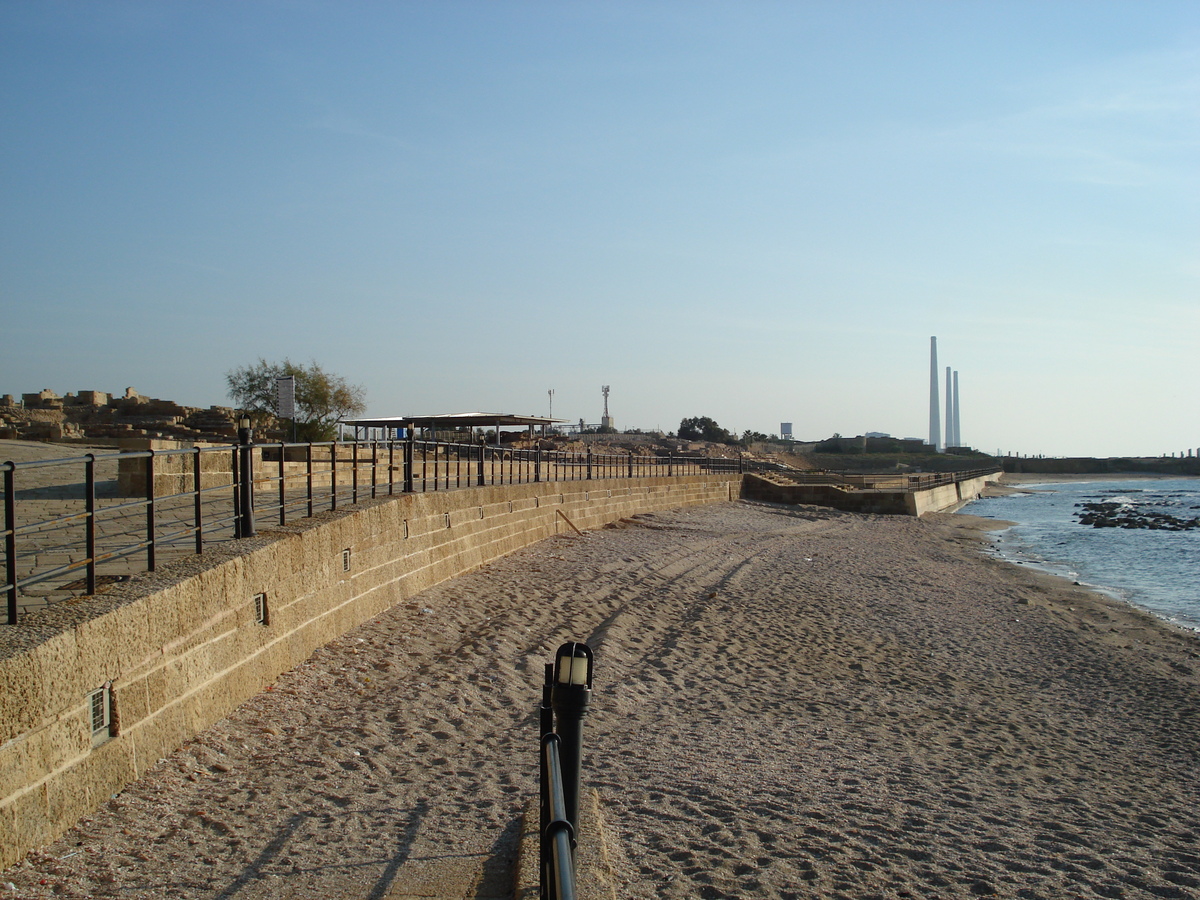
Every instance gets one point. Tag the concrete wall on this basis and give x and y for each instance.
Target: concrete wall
(910, 503)
(184, 656)
(949, 497)
(831, 495)
(932, 500)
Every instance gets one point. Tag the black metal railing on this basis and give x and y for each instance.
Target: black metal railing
(72, 525)
(904, 483)
(64, 519)
(557, 844)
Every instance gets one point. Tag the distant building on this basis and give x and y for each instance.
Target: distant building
(785, 430)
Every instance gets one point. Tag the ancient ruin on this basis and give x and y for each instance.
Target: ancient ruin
(97, 416)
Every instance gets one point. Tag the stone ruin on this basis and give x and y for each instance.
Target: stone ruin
(100, 416)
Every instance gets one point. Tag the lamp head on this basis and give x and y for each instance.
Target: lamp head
(573, 665)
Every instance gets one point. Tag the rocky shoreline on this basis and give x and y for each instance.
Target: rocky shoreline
(1110, 514)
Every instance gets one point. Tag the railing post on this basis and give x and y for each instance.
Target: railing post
(410, 456)
(282, 483)
(246, 440)
(589, 463)
(537, 464)
(670, 464)
(630, 463)
(374, 467)
(198, 499)
(89, 499)
(354, 473)
(333, 476)
(10, 539)
(479, 474)
(235, 462)
(150, 529)
(308, 475)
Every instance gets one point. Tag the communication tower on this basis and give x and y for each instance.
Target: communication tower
(606, 419)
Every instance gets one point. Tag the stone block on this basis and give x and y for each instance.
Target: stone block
(23, 824)
(59, 674)
(131, 701)
(21, 764)
(63, 740)
(156, 737)
(23, 703)
(106, 771)
(116, 641)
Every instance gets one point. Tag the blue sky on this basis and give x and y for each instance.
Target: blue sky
(758, 212)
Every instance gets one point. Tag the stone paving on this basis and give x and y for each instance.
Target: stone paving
(51, 498)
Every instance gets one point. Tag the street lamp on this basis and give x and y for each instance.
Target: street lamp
(570, 696)
(246, 472)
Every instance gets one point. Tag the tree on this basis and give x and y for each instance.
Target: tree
(321, 397)
(754, 437)
(702, 428)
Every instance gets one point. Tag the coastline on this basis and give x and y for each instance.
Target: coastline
(1050, 478)
(1019, 484)
(820, 704)
(1015, 482)
(982, 530)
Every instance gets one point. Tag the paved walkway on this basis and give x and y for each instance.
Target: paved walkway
(54, 496)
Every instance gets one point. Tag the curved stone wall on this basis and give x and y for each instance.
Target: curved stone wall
(177, 659)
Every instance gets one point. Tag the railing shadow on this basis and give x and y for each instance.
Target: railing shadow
(380, 889)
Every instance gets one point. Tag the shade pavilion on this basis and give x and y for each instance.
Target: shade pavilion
(391, 425)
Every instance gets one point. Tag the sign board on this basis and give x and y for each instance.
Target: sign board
(285, 390)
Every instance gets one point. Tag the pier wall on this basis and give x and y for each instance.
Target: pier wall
(176, 660)
(946, 497)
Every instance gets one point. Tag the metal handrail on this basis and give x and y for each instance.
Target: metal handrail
(902, 483)
(205, 506)
(558, 836)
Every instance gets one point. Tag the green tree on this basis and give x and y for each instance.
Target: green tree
(322, 398)
(702, 428)
(754, 437)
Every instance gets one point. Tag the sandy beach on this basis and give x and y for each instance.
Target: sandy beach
(789, 703)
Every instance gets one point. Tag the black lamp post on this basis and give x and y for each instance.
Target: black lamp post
(246, 497)
(570, 696)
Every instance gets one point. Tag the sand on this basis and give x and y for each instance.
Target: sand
(789, 703)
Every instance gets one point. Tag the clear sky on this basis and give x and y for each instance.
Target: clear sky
(754, 211)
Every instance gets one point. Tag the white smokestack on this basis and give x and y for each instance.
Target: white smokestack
(935, 419)
(949, 410)
(957, 410)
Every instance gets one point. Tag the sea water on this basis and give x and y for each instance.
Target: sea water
(1156, 569)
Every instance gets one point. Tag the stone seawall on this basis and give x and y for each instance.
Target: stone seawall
(166, 664)
(888, 502)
